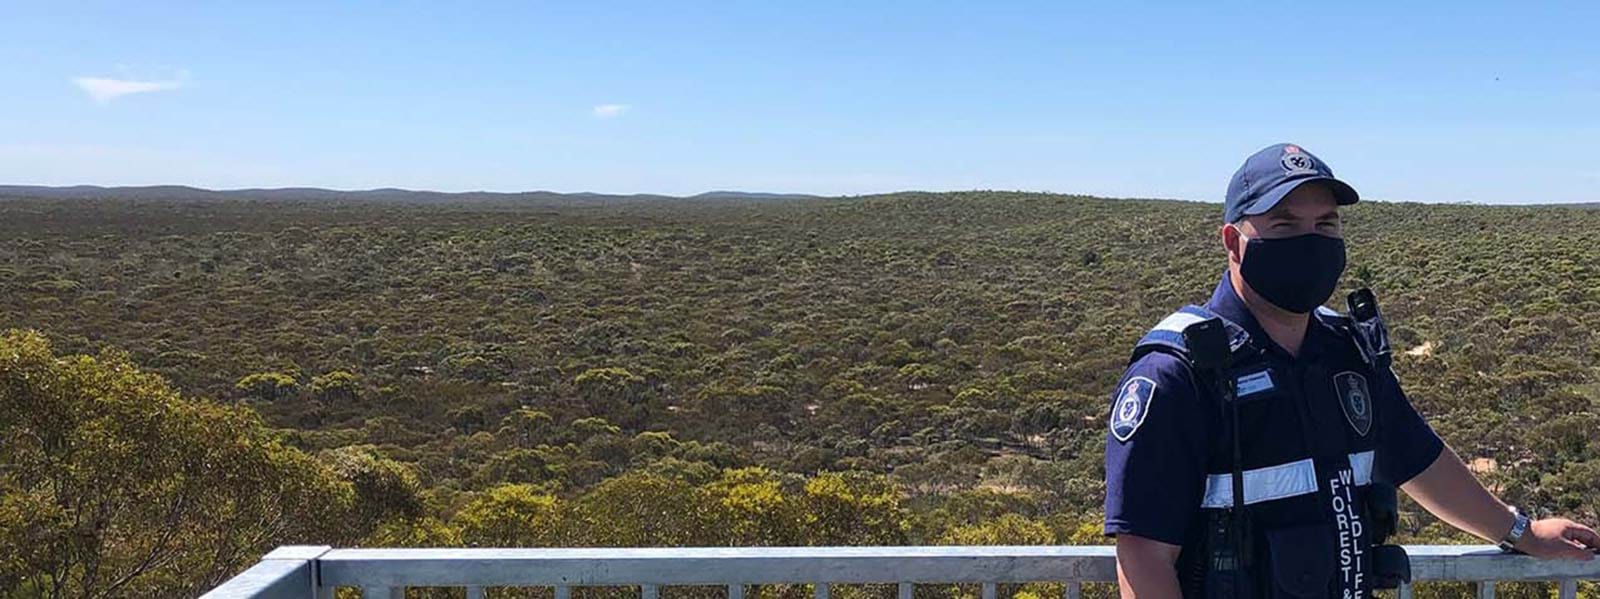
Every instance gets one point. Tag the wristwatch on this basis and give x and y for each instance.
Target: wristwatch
(1519, 527)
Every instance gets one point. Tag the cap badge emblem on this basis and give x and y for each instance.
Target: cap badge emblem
(1295, 163)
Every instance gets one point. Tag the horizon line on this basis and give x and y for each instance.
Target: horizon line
(5, 187)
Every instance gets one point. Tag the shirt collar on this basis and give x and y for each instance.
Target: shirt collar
(1225, 302)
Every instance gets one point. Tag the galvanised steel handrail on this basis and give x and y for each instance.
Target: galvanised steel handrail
(305, 572)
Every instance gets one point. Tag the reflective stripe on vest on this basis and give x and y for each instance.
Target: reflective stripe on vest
(1278, 482)
(1177, 322)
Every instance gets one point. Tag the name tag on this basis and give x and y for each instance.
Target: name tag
(1253, 384)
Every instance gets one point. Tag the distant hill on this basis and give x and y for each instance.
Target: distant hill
(313, 194)
(747, 195)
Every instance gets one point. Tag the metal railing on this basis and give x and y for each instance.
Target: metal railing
(315, 571)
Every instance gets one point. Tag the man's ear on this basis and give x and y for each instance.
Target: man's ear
(1232, 242)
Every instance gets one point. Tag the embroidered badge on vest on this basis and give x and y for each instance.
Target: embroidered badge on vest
(1132, 405)
(1355, 399)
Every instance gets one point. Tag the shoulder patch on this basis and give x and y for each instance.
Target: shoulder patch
(1131, 407)
(1356, 399)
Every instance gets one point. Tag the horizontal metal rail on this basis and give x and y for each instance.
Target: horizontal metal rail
(385, 573)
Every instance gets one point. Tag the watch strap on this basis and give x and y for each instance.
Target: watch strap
(1519, 527)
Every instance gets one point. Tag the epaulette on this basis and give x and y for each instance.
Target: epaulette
(1370, 337)
(1333, 318)
(1167, 335)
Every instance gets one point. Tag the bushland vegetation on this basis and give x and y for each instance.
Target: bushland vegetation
(185, 384)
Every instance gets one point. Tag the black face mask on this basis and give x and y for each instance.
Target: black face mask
(1294, 273)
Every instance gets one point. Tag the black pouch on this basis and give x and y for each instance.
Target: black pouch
(1390, 566)
(1303, 559)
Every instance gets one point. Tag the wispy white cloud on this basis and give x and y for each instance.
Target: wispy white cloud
(610, 111)
(105, 89)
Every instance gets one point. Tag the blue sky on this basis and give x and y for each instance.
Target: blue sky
(1458, 101)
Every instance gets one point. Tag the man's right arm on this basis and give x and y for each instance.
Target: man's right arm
(1156, 453)
(1147, 569)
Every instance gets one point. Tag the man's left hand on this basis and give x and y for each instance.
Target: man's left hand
(1559, 538)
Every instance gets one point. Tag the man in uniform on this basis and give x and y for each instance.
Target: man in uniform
(1289, 505)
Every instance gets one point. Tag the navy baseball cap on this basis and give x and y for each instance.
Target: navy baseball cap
(1270, 174)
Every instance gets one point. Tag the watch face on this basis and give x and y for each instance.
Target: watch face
(1518, 527)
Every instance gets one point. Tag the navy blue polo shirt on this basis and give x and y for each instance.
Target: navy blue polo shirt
(1158, 455)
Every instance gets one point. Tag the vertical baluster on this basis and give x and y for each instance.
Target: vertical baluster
(563, 592)
(1569, 589)
(905, 590)
(474, 592)
(647, 591)
(822, 591)
(988, 590)
(735, 591)
(1075, 590)
(1404, 592)
(1486, 589)
(383, 593)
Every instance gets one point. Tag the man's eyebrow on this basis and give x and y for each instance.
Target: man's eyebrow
(1329, 215)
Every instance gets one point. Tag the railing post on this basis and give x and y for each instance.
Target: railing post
(1074, 590)
(1569, 589)
(288, 572)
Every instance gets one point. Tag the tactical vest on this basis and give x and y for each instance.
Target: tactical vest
(1306, 527)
